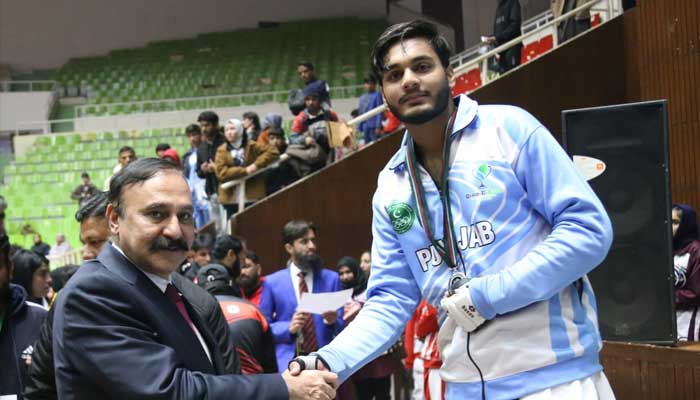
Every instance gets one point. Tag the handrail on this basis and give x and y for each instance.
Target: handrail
(484, 57)
(75, 256)
(80, 110)
(6, 86)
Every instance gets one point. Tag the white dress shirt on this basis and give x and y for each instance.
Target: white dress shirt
(162, 284)
(309, 278)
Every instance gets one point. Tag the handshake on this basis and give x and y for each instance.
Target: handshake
(309, 382)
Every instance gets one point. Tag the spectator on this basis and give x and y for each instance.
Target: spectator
(295, 330)
(172, 156)
(272, 120)
(60, 248)
(365, 262)
(201, 248)
(284, 173)
(309, 140)
(196, 184)
(686, 265)
(306, 72)
(226, 252)
(94, 230)
(206, 153)
(31, 271)
(571, 27)
(160, 149)
(127, 155)
(237, 158)
(40, 247)
(506, 27)
(61, 275)
(371, 99)
(251, 280)
(251, 123)
(19, 327)
(85, 190)
(250, 332)
(373, 381)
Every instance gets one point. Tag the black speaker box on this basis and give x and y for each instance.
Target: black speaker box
(634, 285)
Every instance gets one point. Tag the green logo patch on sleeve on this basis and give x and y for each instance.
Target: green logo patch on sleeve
(401, 216)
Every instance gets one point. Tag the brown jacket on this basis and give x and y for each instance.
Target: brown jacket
(255, 153)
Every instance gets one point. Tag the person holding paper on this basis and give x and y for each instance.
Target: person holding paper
(297, 332)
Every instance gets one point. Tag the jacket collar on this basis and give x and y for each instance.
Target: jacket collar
(466, 114)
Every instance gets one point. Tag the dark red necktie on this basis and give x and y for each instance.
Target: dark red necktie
(309, 344)
(174, 296)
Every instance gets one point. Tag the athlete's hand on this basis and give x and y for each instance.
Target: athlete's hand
(319, 385)
(460, 307)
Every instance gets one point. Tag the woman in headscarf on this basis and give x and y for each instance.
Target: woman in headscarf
(32, 273)
(373, 381)
(238, 157)
(686, 266)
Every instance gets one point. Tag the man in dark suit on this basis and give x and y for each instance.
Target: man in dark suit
(122, 330)
(298, 332)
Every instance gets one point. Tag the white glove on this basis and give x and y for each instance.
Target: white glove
(459, 306)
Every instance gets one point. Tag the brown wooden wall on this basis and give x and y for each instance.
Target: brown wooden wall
(645, 372)
(662, 59)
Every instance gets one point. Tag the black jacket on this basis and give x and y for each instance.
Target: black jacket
(506, 26)
(42, 382)
(118, 336)
(20, 329)
(207, 152)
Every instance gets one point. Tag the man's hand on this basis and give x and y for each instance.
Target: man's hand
(330, 317)
(460, 307)
(251, 169)
(309, 140)
(311, 385)
(298, 320)
(491, 40)
(208, 166)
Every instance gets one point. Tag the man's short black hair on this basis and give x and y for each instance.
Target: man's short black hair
(124, 149)
(137, 172)
(208, 116)
(253, 256)
(370, 79)
(202, 241)
(162, 147)
(223, 244)
(306, 64)
(85, 175)
(61, 275)
(253, 117)
(94, 206)
(408, 30)
(296, 229)
(193, 129)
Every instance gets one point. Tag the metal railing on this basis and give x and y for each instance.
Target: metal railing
(28, 86)
(74, 256)
(200, 102)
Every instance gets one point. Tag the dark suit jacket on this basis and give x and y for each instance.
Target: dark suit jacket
(116, 335)
(278, 304)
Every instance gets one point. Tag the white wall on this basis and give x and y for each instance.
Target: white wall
(46, 33)
(16, 107)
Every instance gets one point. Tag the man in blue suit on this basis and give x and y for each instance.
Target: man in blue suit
(299, 332)
(122, 330)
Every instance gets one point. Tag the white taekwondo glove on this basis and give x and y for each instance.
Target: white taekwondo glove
(460, 307)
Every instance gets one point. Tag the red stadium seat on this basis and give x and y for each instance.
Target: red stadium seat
(595, 20)
(467, 82)
(546, 44)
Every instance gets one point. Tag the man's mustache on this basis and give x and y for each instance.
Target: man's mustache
(163, 243)
(405, 97)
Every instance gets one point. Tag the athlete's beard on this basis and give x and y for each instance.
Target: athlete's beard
(443, 97)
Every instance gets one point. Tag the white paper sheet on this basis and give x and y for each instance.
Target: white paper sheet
(318, 303)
